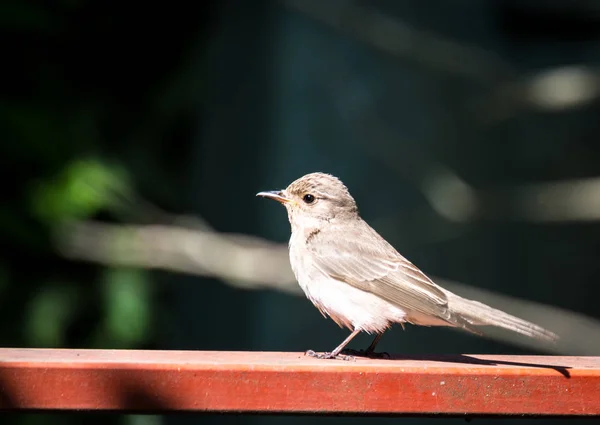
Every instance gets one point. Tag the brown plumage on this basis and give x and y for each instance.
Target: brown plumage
(356, 277)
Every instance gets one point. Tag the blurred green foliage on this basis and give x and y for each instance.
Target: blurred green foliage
(48, 313)
(91, 91)
(127, 297)
(81, 190)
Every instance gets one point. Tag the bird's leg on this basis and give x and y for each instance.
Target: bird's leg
(369, 352)
(371, 348)
(335, 354)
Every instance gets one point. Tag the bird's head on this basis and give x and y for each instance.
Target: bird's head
(314, 198)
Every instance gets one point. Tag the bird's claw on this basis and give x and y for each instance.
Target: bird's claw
(316, 355)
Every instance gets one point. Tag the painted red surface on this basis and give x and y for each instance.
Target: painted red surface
(161, 381)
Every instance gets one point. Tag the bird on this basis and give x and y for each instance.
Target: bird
(354, 276)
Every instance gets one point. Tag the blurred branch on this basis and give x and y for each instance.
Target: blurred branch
(447, 193)
(249, 262)
(553, 89)
(549, 90)
(236, 259)
(564, 201)
(401, 40)
(573, 200)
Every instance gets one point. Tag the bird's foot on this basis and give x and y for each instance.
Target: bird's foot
(316, 355)
(365, 353)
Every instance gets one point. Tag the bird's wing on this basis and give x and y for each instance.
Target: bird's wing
(360, 257)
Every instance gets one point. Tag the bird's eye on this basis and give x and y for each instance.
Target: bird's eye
(308, 198)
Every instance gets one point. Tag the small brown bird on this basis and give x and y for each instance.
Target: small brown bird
(353, 275)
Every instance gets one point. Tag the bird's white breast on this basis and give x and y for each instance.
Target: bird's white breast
(345, 304)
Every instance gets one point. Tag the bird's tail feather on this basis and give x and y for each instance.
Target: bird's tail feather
(476, 313)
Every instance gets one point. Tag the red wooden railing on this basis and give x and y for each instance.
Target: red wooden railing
(261, 382)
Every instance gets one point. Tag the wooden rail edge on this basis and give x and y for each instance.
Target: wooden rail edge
(273, 382)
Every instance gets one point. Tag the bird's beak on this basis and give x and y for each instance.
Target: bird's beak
(276, 195)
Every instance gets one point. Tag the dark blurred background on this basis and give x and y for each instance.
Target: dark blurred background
(135, 136)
